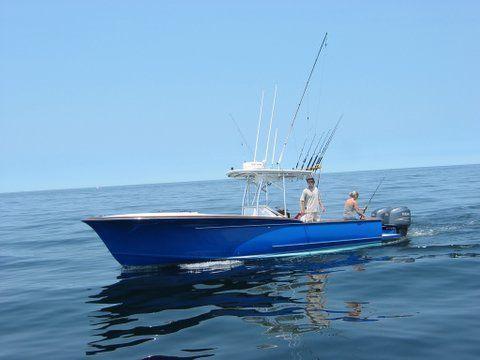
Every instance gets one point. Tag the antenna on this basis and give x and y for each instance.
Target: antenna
(258, 128)
(274, 146)
(301, 99)
(271, 120)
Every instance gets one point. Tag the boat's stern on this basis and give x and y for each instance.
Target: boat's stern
(395, 222)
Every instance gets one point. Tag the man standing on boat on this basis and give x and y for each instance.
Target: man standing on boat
(310, 203)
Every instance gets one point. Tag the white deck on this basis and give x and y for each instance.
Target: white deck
(157, 214)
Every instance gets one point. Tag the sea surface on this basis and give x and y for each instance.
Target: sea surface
(63, 296)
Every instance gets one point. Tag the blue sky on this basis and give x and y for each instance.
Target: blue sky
(96, 93)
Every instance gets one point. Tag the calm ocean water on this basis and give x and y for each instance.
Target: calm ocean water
(62, 295)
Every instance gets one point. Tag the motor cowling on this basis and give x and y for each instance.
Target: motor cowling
(382, 214)
(399, 217)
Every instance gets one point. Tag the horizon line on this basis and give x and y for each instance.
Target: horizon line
(203, 180)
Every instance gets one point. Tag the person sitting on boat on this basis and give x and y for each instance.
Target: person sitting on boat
(310, 203)
(351, 209)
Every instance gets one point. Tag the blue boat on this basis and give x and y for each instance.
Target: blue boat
(258, 232)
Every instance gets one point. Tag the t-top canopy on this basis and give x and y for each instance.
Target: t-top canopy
(269, 174)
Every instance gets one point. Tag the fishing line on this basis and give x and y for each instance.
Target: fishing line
(241, 134)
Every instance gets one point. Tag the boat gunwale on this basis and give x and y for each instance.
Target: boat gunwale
(227, 217)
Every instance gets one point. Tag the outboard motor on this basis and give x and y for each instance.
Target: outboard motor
(399, 217)
(382, 214)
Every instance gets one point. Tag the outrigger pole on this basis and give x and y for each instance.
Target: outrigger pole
(301, 99)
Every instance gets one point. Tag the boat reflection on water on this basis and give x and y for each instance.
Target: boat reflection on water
(286, 297)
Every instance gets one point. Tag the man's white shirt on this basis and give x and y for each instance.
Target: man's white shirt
(311, 199)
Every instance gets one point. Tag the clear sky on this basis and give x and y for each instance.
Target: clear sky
(98, 93)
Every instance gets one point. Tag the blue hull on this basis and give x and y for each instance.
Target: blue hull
(148, 241)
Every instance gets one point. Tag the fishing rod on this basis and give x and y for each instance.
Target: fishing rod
(315, 161)
(371, 197)
(241, 134)
(292, 124)
(327, 144)
(324, 150)
(308, 152)
(301, 153)
(315, 151)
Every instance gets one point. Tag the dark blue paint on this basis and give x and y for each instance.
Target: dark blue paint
(179, 240)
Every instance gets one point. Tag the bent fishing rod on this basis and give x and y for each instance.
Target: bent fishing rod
(371, 197)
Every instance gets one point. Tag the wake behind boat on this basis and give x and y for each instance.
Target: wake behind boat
(259, 231)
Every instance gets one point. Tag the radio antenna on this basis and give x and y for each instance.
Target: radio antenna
(258, 127)
(270, 127)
